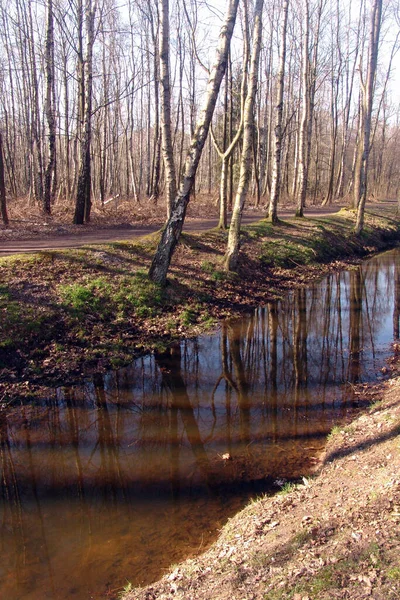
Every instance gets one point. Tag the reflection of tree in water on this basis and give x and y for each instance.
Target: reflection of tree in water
(11, 498)
(169, 363)
(396, 307)
(107, 443)
(242, 387)
(300, 355)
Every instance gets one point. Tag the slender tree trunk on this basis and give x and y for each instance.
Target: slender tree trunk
(36, 124)
(51, 122)
(3, 202)
(276, 173)
(166, 129)
(83, 195)
(161, 261)
(301, 190)
(227, 152)
(233, 246)
(360, 192)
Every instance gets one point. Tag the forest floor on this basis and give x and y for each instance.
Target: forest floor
(336, 535)
(67, 313)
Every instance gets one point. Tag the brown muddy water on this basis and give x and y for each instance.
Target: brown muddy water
(118, 478)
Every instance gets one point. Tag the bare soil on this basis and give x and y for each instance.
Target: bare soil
(335, 535)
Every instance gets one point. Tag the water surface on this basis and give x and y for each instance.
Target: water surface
(128, 473)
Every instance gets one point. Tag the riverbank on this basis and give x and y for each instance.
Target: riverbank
(335, 535)
(67, 314)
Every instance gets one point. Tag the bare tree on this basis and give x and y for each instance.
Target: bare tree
(232, 251)
(50, 98)
(3, 203)
(170, 236)
(225, 153)
(367, 91)
(276, 173)
(83, 196)
(308, 82)
(166, 125)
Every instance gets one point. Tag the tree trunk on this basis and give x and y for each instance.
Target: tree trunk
(51, 122)
(161, 261)
(166, 129)
(3, 202)
(360, 191)
(276, 174)
(301, 187)
(233, 246)
(83, 194)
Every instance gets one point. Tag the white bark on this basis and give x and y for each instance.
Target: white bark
(161, 261)
(360, 190)
(233, 246)
(276, 173)
(166, 126)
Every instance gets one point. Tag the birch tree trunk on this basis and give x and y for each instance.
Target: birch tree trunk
(3, 202)
(161, 261)
(83, 195)
(301, 187)
(166, 127)
(276, 173)
(233, 246)
(360, 190)
(51, 122)
(227, 152)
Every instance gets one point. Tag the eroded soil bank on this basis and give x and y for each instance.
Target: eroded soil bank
(336, 535)
(66, 314)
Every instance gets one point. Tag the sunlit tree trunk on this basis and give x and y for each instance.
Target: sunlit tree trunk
(360, 190)
(166, 133)
(301, 187)
(3, 203)
(170, 236)
(37, 156)
(276, 173)
(232, 251)
(83, 195)
(50, 116)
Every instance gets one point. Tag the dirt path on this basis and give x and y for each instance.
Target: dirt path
(56, 236)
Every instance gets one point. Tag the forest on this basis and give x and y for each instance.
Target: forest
(102, 100)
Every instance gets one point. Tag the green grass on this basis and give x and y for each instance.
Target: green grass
(107, 299)
(287, 488)
(333, 576)
(334, 432)
(285, 254)
(393, 573)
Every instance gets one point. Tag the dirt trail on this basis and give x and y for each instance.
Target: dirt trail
(58, 236)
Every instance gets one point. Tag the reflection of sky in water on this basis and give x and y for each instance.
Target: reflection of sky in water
(118, 478)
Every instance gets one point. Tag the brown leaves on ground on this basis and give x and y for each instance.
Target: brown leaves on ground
(335, 536)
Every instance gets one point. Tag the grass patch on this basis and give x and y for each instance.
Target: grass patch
(286, 254)
(107, 299)
(332, 576)
(335, 431)
(393, 573)
(287, 488)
